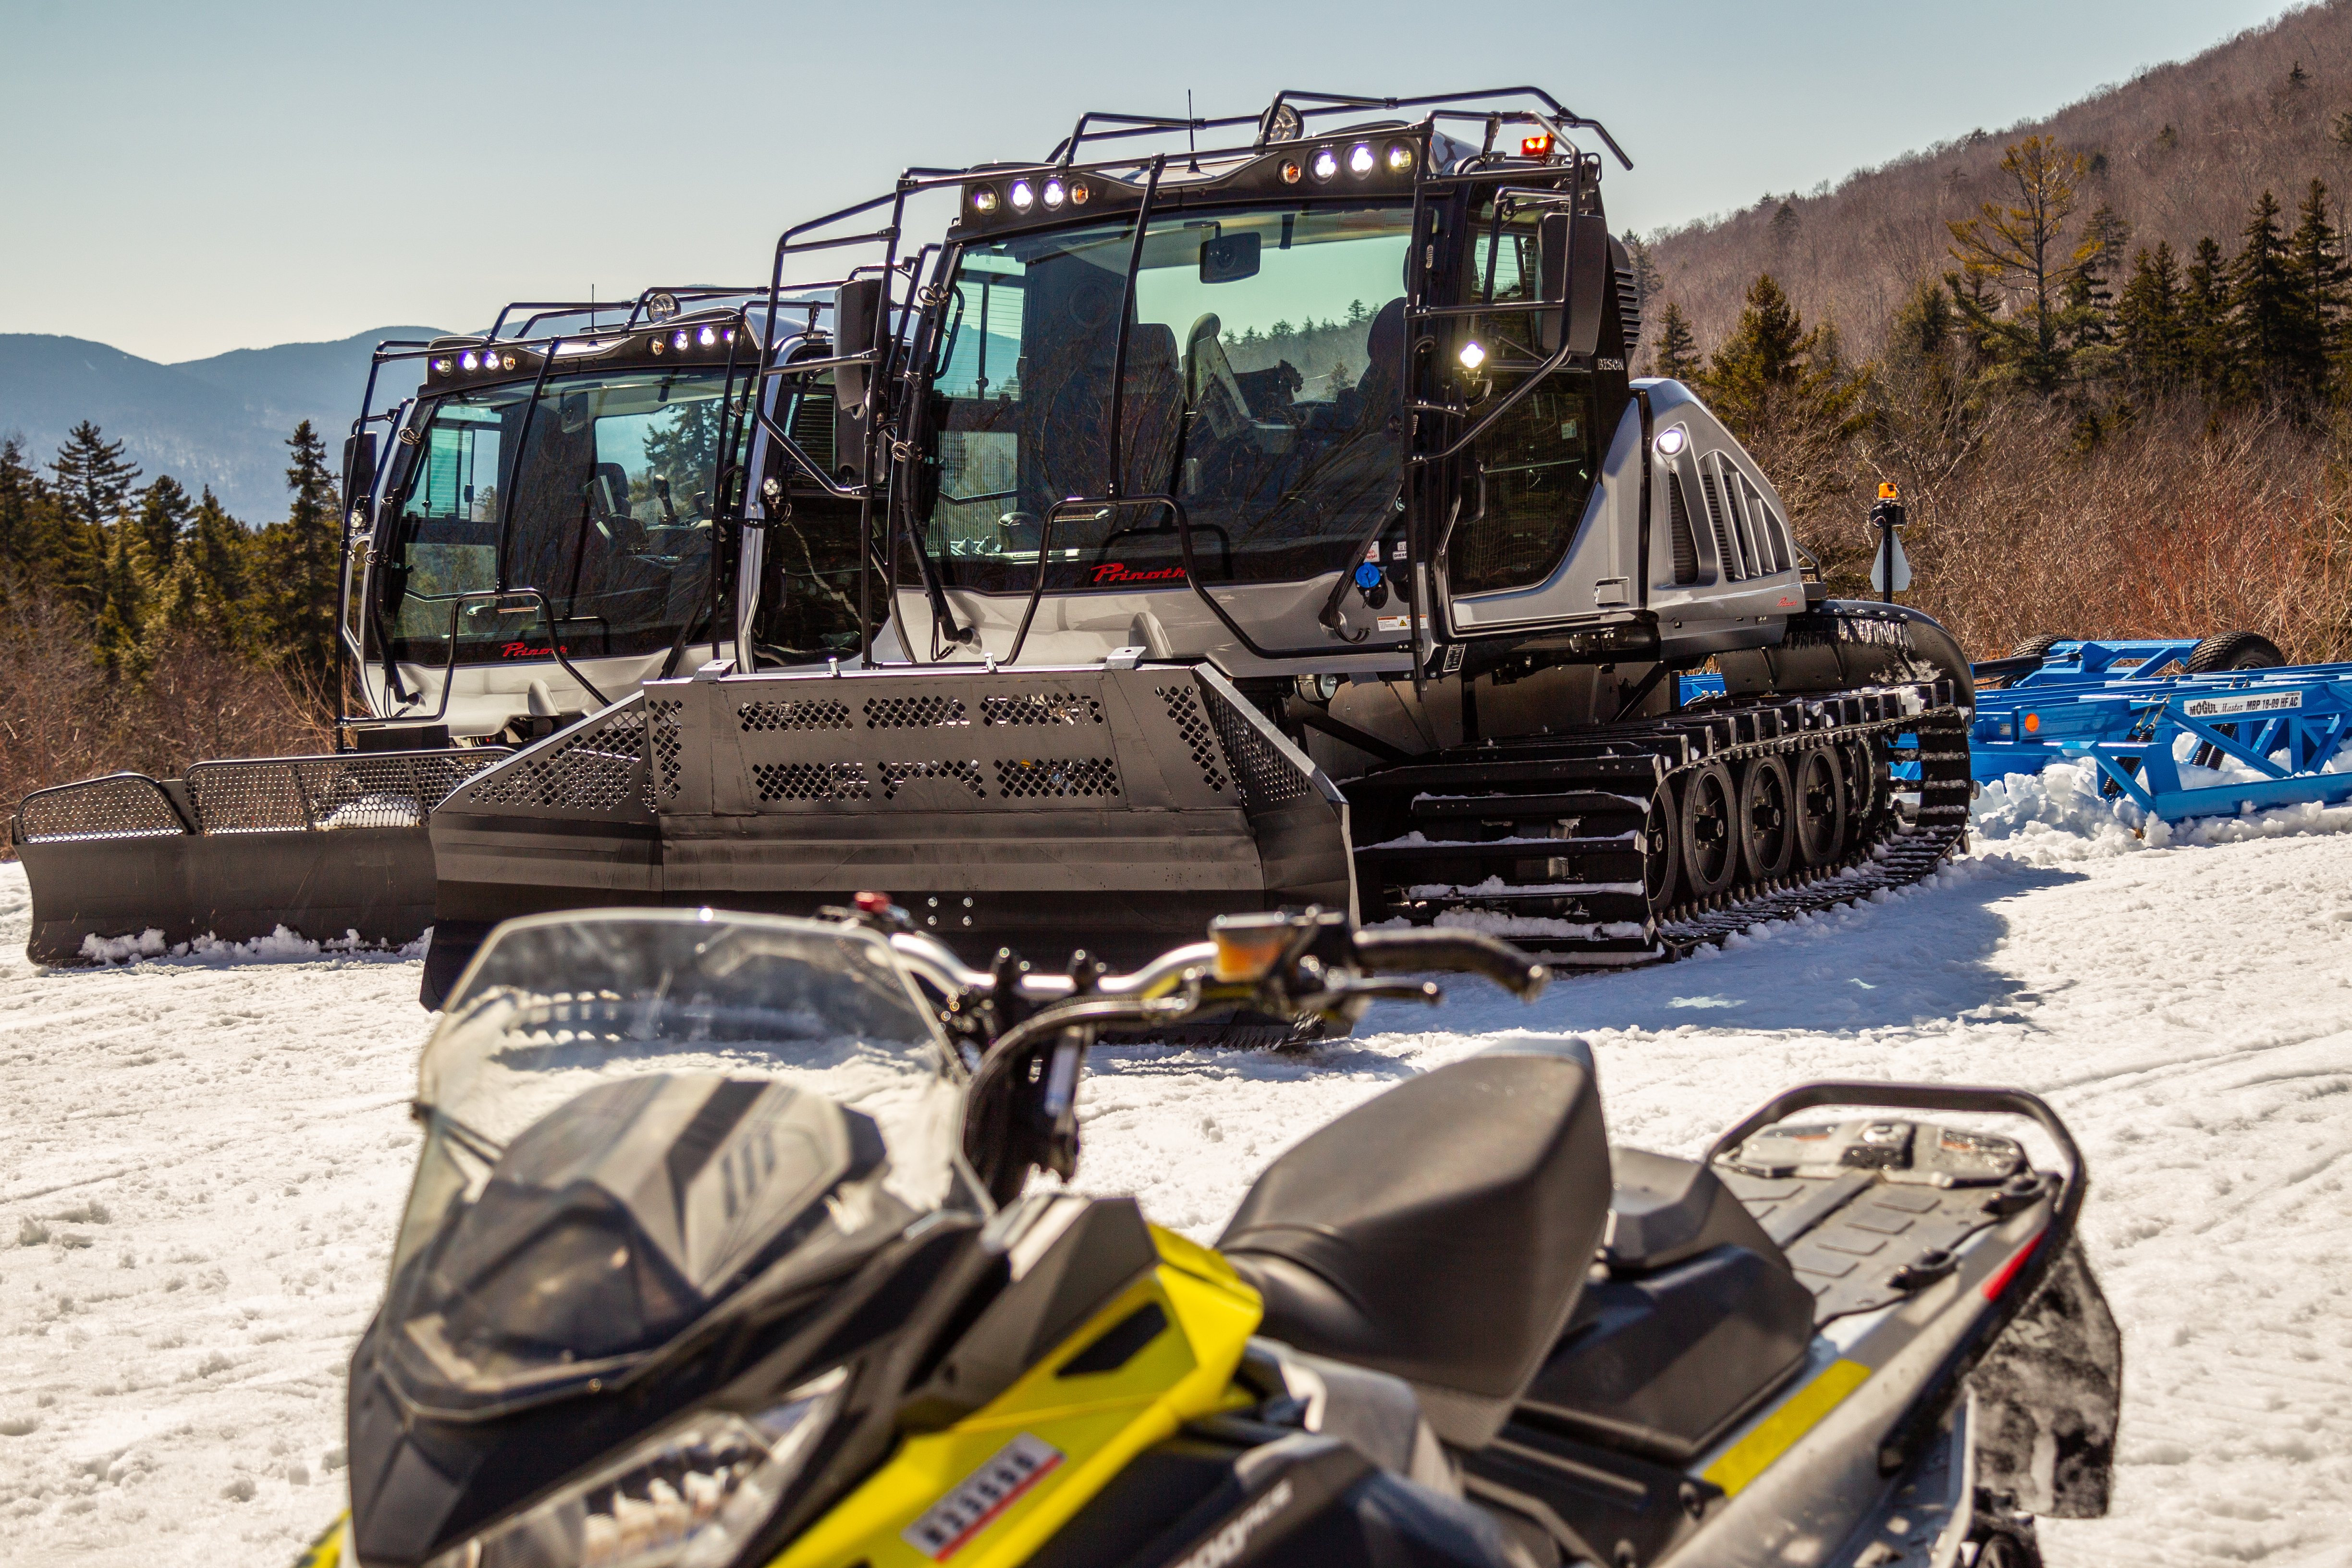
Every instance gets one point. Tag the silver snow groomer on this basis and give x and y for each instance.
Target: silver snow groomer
(550, 519)
(1267, 521)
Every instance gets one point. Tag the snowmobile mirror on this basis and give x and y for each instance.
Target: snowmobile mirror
(1229, 260)
(359, 468)
(857, 315)
(1572, 253)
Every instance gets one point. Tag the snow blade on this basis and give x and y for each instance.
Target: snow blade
(1107, 808)
(2049, 1395)
(327, 847)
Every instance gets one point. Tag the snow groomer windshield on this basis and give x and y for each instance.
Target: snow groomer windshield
(598, 494)
(1256, 381)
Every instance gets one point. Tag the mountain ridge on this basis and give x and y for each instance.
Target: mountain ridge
(220, 421)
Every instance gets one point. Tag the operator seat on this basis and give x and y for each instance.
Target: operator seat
(608, 497)
(1440, 1232)
(1152, 407)
(1377, 387)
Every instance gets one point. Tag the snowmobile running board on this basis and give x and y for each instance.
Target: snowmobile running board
(328, 846)
(1116, 808)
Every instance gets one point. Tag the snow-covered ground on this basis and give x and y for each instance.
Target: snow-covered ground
(201, 1160)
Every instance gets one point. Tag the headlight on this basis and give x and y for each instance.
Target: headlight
(688, 1497)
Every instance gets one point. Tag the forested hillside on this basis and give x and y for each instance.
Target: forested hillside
(143, 626)
(2108, 355)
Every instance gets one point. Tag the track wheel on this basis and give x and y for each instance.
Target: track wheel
(1858, 759)
(1767, 825)
(1820, 806)
(1710, 834)
(1662, 859)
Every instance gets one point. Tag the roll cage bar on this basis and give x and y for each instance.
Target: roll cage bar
(891, 361)
(651, 308)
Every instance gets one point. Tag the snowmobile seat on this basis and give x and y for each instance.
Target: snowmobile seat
(1439, 1232)
(1699, 1319)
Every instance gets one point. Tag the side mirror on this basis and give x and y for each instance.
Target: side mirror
(359, 469)
(858, 319)
(1573, 254)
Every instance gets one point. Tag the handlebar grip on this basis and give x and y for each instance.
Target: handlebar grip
(1424, 951)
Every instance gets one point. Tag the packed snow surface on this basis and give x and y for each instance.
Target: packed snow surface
(205, 1155)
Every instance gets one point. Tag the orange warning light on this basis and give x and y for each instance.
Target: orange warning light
(1536, 147)
(2032, 723)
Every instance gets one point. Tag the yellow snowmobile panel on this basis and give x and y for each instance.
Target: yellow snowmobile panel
(990, 1491)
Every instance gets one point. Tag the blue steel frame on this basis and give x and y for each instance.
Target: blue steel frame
(2127, 726)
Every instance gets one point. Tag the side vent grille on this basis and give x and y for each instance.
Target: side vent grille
(1734, 569)
(1629, 307)
(1678, 533)
(1771, 532)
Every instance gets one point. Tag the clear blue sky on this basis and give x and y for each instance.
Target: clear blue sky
(188, 178)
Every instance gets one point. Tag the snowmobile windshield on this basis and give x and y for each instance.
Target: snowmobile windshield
(632, 1118)
(601, 498)
(1257, 384)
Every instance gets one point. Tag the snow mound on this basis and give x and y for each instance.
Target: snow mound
(279, 946)
(2061, 814)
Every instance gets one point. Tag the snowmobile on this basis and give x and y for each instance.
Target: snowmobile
(1269, 516)
(725, 1249)
(553, 518)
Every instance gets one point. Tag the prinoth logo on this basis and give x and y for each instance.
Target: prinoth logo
(1228, 1543)
(1114, 574)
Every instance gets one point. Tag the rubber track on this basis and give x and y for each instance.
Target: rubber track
(1907, 848)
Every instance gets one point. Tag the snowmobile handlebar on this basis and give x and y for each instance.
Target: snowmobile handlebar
(1309, 959)
(1427, 952)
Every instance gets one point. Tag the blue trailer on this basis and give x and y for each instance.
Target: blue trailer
(2089, 701)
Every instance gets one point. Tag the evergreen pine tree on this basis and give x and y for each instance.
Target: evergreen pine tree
(1929, 407)
(299, 556)
(1678, 357)
(2262, 299)
(2090, 302)
(121, 620)
(163, 516)
(203, 596)
(2315, 277)
(93, 477)
(2205, 324)
(2149, 326)
(21, 499)
(1786, 392)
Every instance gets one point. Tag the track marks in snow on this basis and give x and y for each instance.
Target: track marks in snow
(196, 1192)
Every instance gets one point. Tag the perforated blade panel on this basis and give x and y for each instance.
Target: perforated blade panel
(125, 806)
(331, 847)
(1014, 802)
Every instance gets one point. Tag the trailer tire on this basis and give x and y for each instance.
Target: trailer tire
(2234, 650)
(2039, 645)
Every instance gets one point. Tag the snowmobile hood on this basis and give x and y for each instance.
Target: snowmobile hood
(630, 1118)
